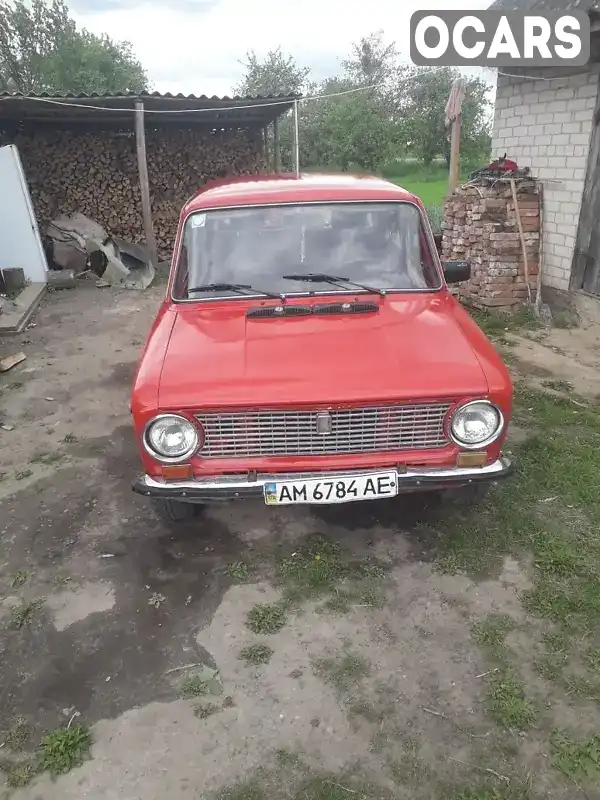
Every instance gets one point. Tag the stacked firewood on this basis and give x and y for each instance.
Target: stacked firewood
(480, 225)
(96, 174)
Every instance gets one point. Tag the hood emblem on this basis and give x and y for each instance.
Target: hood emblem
(324, 423)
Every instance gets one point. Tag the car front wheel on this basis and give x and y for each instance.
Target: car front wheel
(467, 496)
(175, 510)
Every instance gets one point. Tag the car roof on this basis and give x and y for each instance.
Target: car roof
(290, 188)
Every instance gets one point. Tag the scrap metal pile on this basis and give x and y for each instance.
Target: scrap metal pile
(80, 246)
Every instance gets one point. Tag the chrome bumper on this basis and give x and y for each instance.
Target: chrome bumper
(238, 487)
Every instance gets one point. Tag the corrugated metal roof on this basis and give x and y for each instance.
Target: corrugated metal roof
(71, 108)
(160, 95)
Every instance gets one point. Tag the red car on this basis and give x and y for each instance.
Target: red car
(308, 351)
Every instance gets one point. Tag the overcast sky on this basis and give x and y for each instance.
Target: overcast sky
(194, 46)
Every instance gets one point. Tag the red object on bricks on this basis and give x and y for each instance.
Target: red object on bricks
(503, 164)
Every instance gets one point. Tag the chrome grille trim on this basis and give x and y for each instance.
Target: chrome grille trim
(246, 434)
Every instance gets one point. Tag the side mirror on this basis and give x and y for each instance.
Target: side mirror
(456, 271)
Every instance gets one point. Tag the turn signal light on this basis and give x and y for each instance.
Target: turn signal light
(471, 459)
(177, 472)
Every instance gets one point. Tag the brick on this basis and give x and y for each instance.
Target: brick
(589, 90)
(580, 138)
(552, 128)
(563, 138)
(558, 106)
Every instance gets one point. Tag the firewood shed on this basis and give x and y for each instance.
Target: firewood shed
(129, 161)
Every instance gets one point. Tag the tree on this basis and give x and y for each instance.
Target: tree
(426, 93)
(41, 50)
(371, 61)
(276, 74)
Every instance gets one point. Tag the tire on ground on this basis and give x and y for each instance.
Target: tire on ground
(175, 510)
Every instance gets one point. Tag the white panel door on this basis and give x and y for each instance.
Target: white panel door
(20, 242)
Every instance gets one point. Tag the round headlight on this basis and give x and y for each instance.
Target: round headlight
(476, 424)
(171, 438)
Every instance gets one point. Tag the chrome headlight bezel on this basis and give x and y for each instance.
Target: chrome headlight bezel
(197, 440)
(485, 442)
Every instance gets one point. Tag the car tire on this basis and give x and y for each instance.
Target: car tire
(467, 496)
(175, 511)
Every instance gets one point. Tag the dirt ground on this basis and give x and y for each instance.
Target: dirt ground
(120, 605)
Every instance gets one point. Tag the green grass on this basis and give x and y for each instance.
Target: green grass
(492, 792)
(548, 513)
(343, 672)
(507, 703)
(409, 769)
(23, 615)
(65, 748)
(256, 654)
(319, 568)
(238, 571)
(266, 618)
(19, 775)
(204, 712)
(249, 790)
(491, 631)
(19, 579)
(22, 474)
(286, 758)
(47, 458)
(18, 735)
(576, 759)
(194, 686)
(313, 569)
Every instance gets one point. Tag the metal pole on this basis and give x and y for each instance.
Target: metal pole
(296, 141)
(140, 139)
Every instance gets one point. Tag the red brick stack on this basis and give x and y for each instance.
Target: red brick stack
(480, 225)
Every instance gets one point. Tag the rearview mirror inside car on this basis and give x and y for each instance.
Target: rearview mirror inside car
(456, 271)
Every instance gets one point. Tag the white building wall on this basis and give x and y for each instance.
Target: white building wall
(546, 124)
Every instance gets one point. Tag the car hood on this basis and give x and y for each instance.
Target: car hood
(413, 347)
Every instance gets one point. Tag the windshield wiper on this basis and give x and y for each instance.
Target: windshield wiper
(240, 288)
(336, 280)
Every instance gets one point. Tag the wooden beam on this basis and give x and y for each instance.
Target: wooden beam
(589, 209)
(454, 155)
(266, 143)
(296, 141)
(140, 139)
(277, 145)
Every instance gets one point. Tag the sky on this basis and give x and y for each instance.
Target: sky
(195, 46)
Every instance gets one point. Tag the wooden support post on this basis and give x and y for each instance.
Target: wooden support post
(276, 145)
(296, 141)
(140, 140)
(454, 155)
(266, 143)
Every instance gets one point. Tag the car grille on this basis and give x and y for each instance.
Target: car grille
(296, 433)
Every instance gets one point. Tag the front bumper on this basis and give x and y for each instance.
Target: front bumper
(237, 487)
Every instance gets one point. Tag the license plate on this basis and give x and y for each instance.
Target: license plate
(372, 486)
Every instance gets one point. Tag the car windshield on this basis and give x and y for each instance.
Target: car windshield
(381, 245)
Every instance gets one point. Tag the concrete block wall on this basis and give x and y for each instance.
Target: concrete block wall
(546, 124)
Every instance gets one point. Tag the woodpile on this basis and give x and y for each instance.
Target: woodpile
(480, 225)
(97, 174)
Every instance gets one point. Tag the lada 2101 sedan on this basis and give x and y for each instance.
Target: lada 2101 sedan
(308, 350)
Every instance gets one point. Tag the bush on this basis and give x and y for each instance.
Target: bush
(436, 217)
